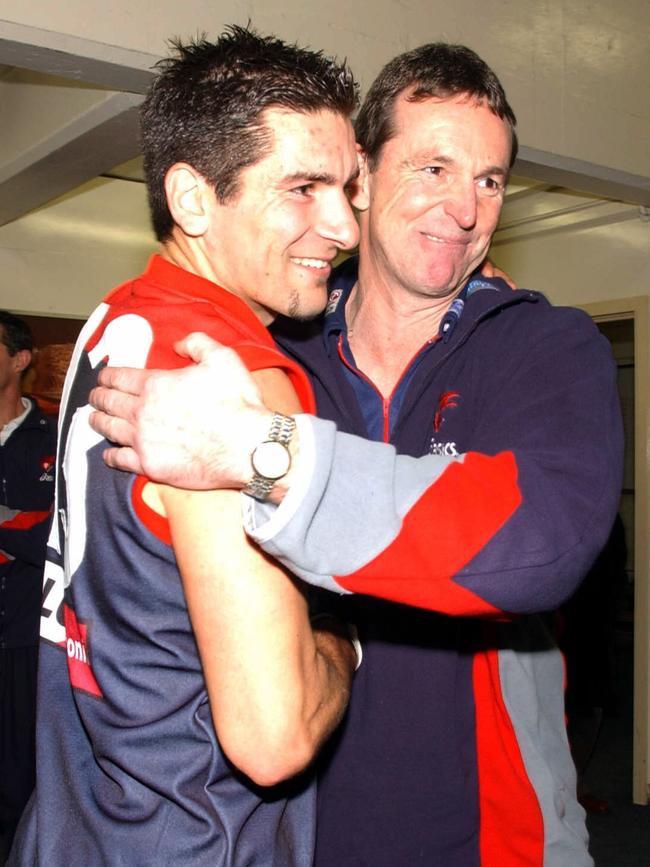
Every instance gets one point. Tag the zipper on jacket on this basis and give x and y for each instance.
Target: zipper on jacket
(385, 401)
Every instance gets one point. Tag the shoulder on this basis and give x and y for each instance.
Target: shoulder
(569, 328)
(531, 317)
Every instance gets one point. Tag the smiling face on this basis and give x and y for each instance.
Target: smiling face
(274, 242)
(435, 195)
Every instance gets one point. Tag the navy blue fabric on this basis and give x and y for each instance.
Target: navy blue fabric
(27, 485)
(373, 405)
(27, 475)
(130, 769)
(398, 784)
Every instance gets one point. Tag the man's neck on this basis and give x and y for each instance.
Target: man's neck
(11, 404)
(387, 327)
(183, 252)
(191, 256)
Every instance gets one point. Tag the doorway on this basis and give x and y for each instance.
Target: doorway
(625, 323)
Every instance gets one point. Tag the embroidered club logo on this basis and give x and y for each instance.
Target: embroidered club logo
(447, 400)
(47, 469)
(332, 304)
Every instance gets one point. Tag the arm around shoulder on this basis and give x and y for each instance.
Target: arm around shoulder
(509, 527)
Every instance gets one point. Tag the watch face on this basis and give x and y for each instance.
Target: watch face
(271, 460)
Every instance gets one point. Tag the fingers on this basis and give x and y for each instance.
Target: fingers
(127, 379)
(123, 459)
(114, 402)
(198, 346)
(487, 268)
(112, 428)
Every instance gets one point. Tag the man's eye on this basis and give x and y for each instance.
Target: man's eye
(352, 188)
(436, 171)
(492, 186)
(303, 189)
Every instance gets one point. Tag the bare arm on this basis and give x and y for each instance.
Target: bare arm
(276, 688)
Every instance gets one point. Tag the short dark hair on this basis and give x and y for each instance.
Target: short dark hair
(434, 70)
(205, 107)
(15, 333)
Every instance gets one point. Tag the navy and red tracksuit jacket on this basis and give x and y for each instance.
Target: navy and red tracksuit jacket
(497, 493)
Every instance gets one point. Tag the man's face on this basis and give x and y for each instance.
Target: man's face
(9, 372)
(435, 195)
(274, 243)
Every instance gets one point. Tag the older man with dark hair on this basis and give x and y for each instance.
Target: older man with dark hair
(491, 486)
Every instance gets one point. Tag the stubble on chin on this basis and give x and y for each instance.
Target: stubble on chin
(295, 309)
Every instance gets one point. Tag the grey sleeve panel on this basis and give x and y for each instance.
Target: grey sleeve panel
(532, 682)
(351, 510)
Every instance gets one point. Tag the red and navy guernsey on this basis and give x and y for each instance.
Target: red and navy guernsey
(130, 771)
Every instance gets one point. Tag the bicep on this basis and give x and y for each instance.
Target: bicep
(278, 394)
(229, 582)
(245, 609)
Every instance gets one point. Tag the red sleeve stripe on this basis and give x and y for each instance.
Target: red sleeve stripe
(450, 523)
(25, 520)
(511, 823)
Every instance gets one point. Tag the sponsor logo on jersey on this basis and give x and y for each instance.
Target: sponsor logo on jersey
(448, 450)
(76, 645)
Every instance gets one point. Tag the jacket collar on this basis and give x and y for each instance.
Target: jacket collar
(480, 295)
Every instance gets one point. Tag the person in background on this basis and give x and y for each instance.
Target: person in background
(27, 449)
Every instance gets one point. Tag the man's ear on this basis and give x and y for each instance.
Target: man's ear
(21, 360)
(359, 198)
(187, 199)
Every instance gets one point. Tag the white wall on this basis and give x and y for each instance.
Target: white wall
(583, 264)
(577, 71)
(62, 258)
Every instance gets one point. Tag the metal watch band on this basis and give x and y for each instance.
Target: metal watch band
(281, 431)
(282, 428)
(259, 487)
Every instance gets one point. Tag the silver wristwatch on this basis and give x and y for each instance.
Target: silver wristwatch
(271, 459)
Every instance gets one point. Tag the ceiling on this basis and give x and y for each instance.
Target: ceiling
(69, 159)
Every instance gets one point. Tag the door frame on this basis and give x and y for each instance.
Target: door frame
(636, 309)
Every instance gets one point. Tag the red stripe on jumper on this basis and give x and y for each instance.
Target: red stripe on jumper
(25, 520)
(511, 821)
(450, 523)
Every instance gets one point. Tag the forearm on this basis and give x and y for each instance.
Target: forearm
(335, 662)
(280, 690)
(276, 691)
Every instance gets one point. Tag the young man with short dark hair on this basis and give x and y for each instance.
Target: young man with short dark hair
(180, 677)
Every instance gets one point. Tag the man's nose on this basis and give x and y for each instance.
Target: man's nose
(461, 203)
(338, 223)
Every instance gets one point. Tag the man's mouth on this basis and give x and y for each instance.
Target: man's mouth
(311, 263)
(460, 242)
